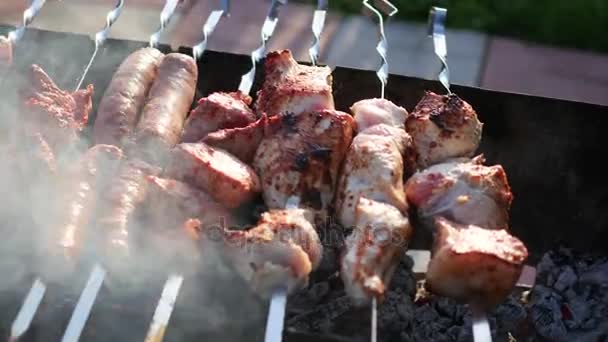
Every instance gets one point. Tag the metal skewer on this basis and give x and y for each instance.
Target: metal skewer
(390, 10)
(102, 36)
(165, 17)
(318, 22)
(436, 30)
(267, 30)
(28, 17)
(209, 27)
(163, 311)
(28, 310)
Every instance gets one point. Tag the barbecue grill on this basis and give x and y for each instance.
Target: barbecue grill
(549, 147)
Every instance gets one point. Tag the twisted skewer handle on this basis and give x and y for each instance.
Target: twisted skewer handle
(209, 27)
(28, 16)
(267, 30)
(437, 17)
(165, 16)
(318, 22)
(102, 36)
(390, 10)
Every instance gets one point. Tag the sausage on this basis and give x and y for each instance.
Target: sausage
(125, 96)
(168, 103)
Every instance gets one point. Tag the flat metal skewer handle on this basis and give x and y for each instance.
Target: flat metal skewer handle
(163, 311)
(436, 28)
(28, 310)
(28, 17)
(102, 36)
(209, 27)
(390, 10)
(318, 22)
(165, 17)
(267, 30)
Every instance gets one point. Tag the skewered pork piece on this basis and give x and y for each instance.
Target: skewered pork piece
(293, 88)
(170, 203)
(303, 157)
(473, 264)
(168, 103)
(464, 191)
(58, 115)
(6, 52)
(443, 127)
(282, 249)
(218, 111)
(124, 98)
(371, 200)
(242, 142)
(228, 180)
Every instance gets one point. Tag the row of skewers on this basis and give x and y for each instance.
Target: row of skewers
(371, 169)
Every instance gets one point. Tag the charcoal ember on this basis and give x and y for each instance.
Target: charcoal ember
(596, 275)
(578, 312)
(546, 314)
(510, 316)
(448, 308)
(310, 297)
(545, 267)
(394, 314)
(321, 318)
(565, 279)
(403, 279)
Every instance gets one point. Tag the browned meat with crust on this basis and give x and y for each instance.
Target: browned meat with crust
(303, 157)
(227, 179)
(168, 103)
(373, 249)
(443, 127)
(464, 191)
(293, 88)
(169, 203)
(6, 52)
(118, 203)
(281, 250)
(371, 112)
(218, 111)
(474, 265)
(243, 142)
(58, 115)
(124, 98)
(77, 197)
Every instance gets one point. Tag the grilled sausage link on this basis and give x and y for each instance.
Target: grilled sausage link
(168, 103)
(125, 96)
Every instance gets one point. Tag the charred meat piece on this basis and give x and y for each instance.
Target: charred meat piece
(374, 249)
(243, 142)
(227, 179)
(474, 265)
(124, 98)
(303, 157)
(170, 203)
(58, 115)
(77, 196)
(443, 127)
(168, 103)
(282, 249)
(218, 111)
(464, 191)
(290, 87)
(6, 52)
(373, 169)
(371, 112)
(118, 204)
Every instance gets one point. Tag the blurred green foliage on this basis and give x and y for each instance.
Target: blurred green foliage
(579, 24)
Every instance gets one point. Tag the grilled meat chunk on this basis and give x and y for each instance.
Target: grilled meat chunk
(281, 250)
(474, 265)
(443, 127)
(168, 103)
(218, 111)
(464, 191)
(290, 87)
(243, 142)
(118, 204)
(303, 157)
(124, 98)
(373, 169)
(170, 203)
(371, 112)
(58, 115)
(373, 249)
(227, 179)
(6, 52)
